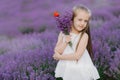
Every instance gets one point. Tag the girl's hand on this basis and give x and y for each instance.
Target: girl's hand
(56, 50)
(56, 56)
(67, 38)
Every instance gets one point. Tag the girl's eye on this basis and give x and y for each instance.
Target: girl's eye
(86, 21)
(79, 19)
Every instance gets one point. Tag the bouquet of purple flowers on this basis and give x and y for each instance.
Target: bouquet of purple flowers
(64, 23)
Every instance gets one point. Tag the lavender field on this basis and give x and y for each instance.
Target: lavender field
(28, 35)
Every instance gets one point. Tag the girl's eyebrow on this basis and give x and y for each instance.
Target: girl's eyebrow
(86, 20)
(82, 19)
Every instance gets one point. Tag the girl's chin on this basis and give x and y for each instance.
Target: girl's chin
(79, 29)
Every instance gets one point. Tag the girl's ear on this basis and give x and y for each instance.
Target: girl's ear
(71, 23)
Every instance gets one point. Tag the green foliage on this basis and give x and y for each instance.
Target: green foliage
(41, 29)
(2, 51)
(26, 30)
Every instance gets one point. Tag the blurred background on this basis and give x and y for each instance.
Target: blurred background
(28, 35)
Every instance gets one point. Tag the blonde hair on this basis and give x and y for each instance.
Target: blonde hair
(81, 7)
(87, 28)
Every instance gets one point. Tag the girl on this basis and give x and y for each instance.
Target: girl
(75, 63)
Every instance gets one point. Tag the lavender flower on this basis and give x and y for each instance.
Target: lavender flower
(64, 23)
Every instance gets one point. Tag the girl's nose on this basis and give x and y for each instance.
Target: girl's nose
(82, 23)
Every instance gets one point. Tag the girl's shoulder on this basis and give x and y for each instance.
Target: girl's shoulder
(85, 35)
(61, 33)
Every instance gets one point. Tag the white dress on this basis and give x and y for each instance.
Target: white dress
(83, 69)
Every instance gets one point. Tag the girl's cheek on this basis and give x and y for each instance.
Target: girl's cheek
(78, 22)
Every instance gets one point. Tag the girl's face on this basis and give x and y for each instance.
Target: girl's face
(80, 20)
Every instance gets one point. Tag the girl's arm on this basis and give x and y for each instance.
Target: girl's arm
(80, 50)
(60, 45)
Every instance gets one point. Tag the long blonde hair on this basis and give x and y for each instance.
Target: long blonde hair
(87, 28)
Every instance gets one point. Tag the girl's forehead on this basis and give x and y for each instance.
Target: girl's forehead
(82, 14)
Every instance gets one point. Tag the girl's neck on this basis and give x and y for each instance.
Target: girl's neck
(74, 31)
